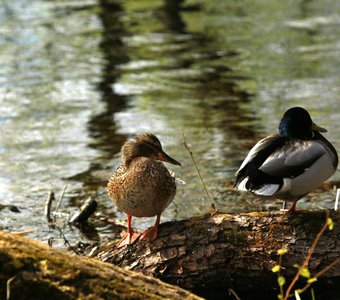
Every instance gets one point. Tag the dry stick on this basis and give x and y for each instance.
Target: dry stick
(198, 171)
(66, 240)
(8, 287)
(48, 204)
(325, 269)
(278, 274)
(232, 292)
(23, 232)
(308, 257)
(337, 199)
(61, 198)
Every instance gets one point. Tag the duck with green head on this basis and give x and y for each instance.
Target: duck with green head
(142, 186)
(290, 164)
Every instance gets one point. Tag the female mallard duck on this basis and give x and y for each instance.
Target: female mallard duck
(290, 164)
(142, 186)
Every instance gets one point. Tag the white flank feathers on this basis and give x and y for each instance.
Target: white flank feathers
(267, 190)
(242, 185)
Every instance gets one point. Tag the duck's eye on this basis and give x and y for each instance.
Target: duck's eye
(154, 146)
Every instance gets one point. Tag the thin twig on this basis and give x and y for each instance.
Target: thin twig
(8, 287)
(279, 274)
(325, 269)
(48, 204)
(308, 257)
(23, 232)
(337, 199)
(198, 171)
(61, 198)
(65, 240)
(232, 292)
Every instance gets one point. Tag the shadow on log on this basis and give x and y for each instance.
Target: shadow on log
(214, 253)
(31, 270)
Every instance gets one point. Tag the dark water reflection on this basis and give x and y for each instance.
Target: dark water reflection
(78, 79)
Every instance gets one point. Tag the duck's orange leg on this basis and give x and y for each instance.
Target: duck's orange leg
(151, 233)
(128, 237)
(292, 208)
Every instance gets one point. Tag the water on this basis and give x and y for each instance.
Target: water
(77, 78)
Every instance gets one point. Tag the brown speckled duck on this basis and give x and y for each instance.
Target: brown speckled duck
(142, 186)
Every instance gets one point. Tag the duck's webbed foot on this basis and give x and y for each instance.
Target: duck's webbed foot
(128, 238)
(150, 234)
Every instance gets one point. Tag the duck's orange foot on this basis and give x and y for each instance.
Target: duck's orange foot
(292, 211)
(128, 238)
(150, 234)
(295, 211)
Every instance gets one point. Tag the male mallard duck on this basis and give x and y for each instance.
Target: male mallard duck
(142, 186)
(290, 164)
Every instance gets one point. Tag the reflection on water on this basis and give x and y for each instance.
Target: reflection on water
(79, 78)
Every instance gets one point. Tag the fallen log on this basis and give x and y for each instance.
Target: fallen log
(217, 252)
(31, 270)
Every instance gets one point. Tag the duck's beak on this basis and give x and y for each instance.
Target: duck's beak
(165, 157)
(318, 128)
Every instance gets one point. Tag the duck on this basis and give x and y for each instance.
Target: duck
(291, 163)
(142, 186)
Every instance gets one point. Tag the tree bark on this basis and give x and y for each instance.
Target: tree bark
(217, 252)
(31, 270)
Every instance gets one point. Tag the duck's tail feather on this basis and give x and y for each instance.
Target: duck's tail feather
(260, 183)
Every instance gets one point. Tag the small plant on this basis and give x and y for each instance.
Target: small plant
(302, 269)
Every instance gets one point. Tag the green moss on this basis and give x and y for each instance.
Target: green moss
(32, 287)
(8, 264)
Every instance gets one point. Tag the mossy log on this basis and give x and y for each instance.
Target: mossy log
(216, 252)
(31, 270)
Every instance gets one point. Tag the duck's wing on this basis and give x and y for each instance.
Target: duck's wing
(293, 158)
(279, 165)
(257, 156)
(314, 161)
(260, 145)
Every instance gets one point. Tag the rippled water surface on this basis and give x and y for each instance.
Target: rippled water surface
(78, 78)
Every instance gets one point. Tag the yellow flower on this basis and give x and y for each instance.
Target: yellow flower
(276, 269)
(305, 273)
(330, 223)
(281, 281)
(311, 280)
(282, 251)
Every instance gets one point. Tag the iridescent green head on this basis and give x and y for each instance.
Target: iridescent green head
(297, 123)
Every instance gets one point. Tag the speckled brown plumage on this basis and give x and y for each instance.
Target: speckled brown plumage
(142, 186)
(144, 189)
